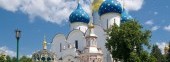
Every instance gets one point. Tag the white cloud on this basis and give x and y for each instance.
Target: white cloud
(55, 11)
(167, 28)
(161, 46)
(149, 22)
(154, 28)
(5, 50)
(10, 5)
(29, 56)
(132, 5)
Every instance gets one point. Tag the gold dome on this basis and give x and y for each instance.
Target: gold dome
(96, 4)
(91, 26)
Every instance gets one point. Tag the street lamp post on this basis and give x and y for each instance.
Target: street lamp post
(18, 34)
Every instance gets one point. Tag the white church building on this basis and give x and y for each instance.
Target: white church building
(87, 37)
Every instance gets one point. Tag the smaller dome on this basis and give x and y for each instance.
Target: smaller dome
(79, 15)
(125, 16)
(43, 55)
(110, 6)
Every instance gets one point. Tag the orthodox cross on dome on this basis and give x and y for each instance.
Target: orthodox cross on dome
(44, 43)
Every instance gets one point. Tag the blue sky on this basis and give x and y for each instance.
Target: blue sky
(34, 21)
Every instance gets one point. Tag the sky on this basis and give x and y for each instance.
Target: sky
(39, 18)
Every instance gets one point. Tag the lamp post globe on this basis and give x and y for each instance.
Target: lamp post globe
(18, 35)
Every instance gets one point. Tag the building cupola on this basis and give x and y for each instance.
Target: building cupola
(109, 6)
(79, 19)
(79, 15)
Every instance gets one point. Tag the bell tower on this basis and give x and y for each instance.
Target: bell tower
(91, 38)
(91, 53)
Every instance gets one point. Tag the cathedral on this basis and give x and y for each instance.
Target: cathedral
(87, 37)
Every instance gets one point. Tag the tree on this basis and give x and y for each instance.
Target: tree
(134, 57)
(8, 59)
(146, 57)
(152, 59)
(14, 59)
(25, 59)
(127, 41)
(156, 52)
(168, 55)
(2, 58)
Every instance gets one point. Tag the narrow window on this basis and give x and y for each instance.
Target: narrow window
(107, 24)
(60, 47)
(76, 44)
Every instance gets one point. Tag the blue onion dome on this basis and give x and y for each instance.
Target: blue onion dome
(125, 16)
(79, 15)
(110, 6)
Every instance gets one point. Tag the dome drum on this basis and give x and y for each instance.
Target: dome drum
(107, 20)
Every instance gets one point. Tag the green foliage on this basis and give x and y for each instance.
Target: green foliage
(146, 57)
(2, 58)
(168, 55)
(14, 59)
(143, 57)
(126, 41)
(133, 57)
(152, 59)
(8, 59)
(156, 52)
(25, 59)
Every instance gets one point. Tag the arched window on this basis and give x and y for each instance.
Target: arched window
(48, 59)
(38, 58)
(43, 58)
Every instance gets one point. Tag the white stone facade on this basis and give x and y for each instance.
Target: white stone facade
(86, 44)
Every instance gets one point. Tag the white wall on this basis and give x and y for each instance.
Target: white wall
(111, 17)
(96, 18)
(55, 46)
(79, 36)
(80, 26)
